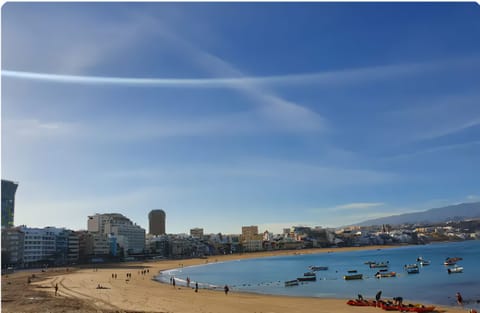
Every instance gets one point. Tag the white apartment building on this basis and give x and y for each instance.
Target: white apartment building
(40, 244)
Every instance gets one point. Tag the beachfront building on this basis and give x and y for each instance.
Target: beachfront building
(9, 188)
(196, 232)
(93, 246)
(252, 245)
(158, 246)
(156, 222)
(49, 245)
(12, 247)
(130, 237)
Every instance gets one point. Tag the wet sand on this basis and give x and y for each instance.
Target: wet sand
(78, 291)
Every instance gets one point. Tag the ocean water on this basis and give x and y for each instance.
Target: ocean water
(267, 275)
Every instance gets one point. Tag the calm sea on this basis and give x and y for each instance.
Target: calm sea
(267, 275)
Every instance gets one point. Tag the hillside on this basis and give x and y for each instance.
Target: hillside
(452, 212)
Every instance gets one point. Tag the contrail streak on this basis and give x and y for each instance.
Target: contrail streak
(330, 77)
(130, 81)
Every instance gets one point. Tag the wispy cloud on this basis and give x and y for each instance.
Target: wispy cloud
(34, 128)
(358, 205)
(354, 206)
(473, 198)
(434, 150)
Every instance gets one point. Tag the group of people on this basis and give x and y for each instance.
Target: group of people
(399, 300)
(226, 289)
(378, 296)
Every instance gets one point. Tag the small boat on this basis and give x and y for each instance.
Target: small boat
(318, 268)
(415, 308)
(369, 262)
(452, 261)
(409, 266)
(378, 265)
(290, 283)
(352, 271)
(382, 275)
(307, 278)
(413, 270)
(383, 270)
(455, 269)
(353, 276)
(358, 302)
(422, 261)
(309, 274)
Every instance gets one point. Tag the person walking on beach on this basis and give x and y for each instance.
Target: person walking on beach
(196, 287)
(226, 289)
(378, 296)
(459, 298)
(173, 282)
(56, 289)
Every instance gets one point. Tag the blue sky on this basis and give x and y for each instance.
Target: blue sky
(232, 114)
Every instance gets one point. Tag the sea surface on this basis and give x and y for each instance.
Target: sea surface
(267, 275)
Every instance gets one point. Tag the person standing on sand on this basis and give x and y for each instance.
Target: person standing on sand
(173, 282)
(226, 289)
(196, 287)
(56, 289)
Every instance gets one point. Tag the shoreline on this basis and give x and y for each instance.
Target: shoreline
(141, 293)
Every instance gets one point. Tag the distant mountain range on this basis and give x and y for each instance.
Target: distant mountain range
(449, 213)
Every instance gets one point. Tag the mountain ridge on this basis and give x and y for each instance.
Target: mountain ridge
(453, 212)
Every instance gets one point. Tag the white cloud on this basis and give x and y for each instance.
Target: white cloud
(34, 128)
(435, 149)
(473, 198)
(354, 206)
(358, 205)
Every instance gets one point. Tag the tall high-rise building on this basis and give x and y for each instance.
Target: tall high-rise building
(8, 202)
(196, 232)
(249, 232)
(156, 220)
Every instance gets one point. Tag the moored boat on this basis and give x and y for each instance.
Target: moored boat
(455, 269)
(307, 278)
(290, 283)
(379, 265)
(353, 276)
(389, 274)
(318, 268)
(309, 274)
(413, 270)
(410, 266)
(452, 261)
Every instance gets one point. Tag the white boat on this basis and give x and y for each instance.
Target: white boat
(455, 269)
(410, 266)
(422, 261)
(380, 265)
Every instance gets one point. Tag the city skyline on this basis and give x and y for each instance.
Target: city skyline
(232, 114)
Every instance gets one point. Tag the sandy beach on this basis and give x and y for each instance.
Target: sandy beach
(78, 292)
